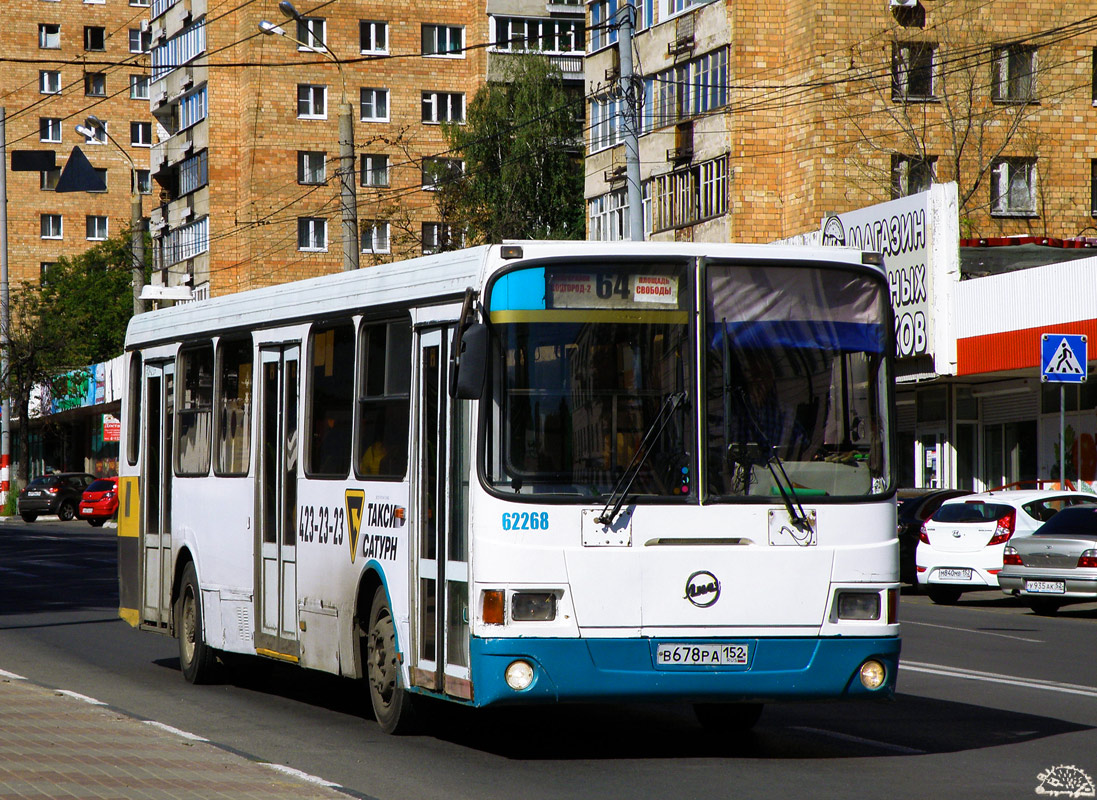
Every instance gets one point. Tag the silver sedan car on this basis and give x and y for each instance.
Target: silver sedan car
(1057, 564)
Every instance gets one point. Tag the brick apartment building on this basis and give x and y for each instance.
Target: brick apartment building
(63, 61)
(759, 118)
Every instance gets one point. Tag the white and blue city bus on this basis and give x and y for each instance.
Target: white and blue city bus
(527, 473)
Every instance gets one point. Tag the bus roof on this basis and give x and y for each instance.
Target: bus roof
(435, 278)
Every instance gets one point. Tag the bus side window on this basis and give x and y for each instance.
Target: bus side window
(194, 412)
(233, 407)
(384, 400)
(331, 399)
(133, 409)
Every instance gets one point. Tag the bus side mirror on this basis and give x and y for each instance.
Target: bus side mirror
(471, 362)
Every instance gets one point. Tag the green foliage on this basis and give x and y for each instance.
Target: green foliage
(521, 146)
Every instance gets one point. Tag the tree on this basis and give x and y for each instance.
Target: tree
(76, 317)
(523, 175)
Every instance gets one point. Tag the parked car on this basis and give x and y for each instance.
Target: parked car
(914, 510)
(58, 493)
(1057, 564)
(962, 545)
(100, 501)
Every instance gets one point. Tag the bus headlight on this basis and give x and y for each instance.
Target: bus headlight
(519, 675)
(533, 606)
(872, 674)
(859, 605)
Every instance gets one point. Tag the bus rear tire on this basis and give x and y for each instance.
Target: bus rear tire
(728, 719)
(392, 705)
(197, 659)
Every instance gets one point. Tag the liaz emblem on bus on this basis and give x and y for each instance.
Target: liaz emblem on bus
(702, 589)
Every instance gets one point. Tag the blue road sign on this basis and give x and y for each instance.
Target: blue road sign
(1063, 358)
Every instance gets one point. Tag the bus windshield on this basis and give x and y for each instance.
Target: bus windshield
(795, 375)
(594, 360)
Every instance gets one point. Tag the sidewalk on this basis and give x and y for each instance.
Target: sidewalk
(54, 745)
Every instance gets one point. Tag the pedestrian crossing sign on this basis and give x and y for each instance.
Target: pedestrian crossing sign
(1063, 358)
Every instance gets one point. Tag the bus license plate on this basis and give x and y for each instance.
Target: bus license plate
(702, 655)
(954, 574)
(1046, 587)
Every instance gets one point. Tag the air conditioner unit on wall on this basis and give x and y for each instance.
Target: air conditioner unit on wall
(903, 3)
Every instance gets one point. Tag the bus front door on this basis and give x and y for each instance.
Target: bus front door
(440, 502)
(156, 572)
(276, 501)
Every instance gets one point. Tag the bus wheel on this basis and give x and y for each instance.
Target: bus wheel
(198, 659)
(728, 719)
(392, 705)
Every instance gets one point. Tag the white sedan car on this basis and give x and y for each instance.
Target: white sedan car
(960, 548)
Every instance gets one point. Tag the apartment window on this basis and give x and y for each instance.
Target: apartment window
(609, 218)
(312, 31)
(436, 237)
(443, 107)
(140, 41)
(375, 237)
(605, 122)
(1013, 187)
(95, 38)
(194, 413)
(44, 268)
(911, 175)
(140, 3)
(691, 195)
(101, 174)
(193, 173)
(52, 226)
(192, 109)
(97, 228)
(603, 27)
(47, 179)
(311, 101)
(1015, 74)
(182, 243)
(373, 37)
(49, 81)
(142, 178)
(384, 399)
(139, 87)
(375, 170)
(98, 134)
(522, 34)
(443, 40)
(49, 36)
(437, 171)
(312, 234)
(1093, 187)
(141, 134)
(182, 48)
(95, 84)
(311, 166)
(49, 129)
(695, 87)
(374, 105)
(912, 67)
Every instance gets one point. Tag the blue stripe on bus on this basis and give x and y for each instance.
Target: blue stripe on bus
(522, 290)
(624, 669)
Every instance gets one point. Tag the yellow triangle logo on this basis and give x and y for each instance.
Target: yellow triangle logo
(356, 502)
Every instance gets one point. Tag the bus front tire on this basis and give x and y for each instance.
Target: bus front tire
(728, 719)
(197, 659)
(392, 705)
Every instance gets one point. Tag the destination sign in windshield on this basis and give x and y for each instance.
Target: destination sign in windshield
(611, 290)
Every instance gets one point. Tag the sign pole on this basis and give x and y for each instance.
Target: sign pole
(1062, 436)
(1063, 359)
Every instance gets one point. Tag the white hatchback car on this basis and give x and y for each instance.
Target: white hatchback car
(961, 545)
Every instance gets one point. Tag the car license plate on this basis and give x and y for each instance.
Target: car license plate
(954, 574)
(86, 509)
(698, 655)
(34, 493)
(1046, 587)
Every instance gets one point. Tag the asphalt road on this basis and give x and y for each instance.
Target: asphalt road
(990, 697)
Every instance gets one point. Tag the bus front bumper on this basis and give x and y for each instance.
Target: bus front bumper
(775, 669)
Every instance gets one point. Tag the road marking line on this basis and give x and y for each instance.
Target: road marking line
(169, 729)
(82, 697)
(973, 630)
(296, 773)
(11, 675)
(845, 737)
(994, 677)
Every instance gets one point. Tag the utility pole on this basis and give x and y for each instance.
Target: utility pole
(5, 342)
(630, 123)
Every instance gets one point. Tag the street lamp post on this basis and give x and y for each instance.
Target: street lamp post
(137, 234)
(348, 196)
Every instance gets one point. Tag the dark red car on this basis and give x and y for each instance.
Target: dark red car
(100, 501)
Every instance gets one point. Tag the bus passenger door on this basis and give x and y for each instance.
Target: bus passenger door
(276, 499)
(440, 500)
(159, 391)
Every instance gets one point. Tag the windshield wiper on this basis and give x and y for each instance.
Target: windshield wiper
(628, 477)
